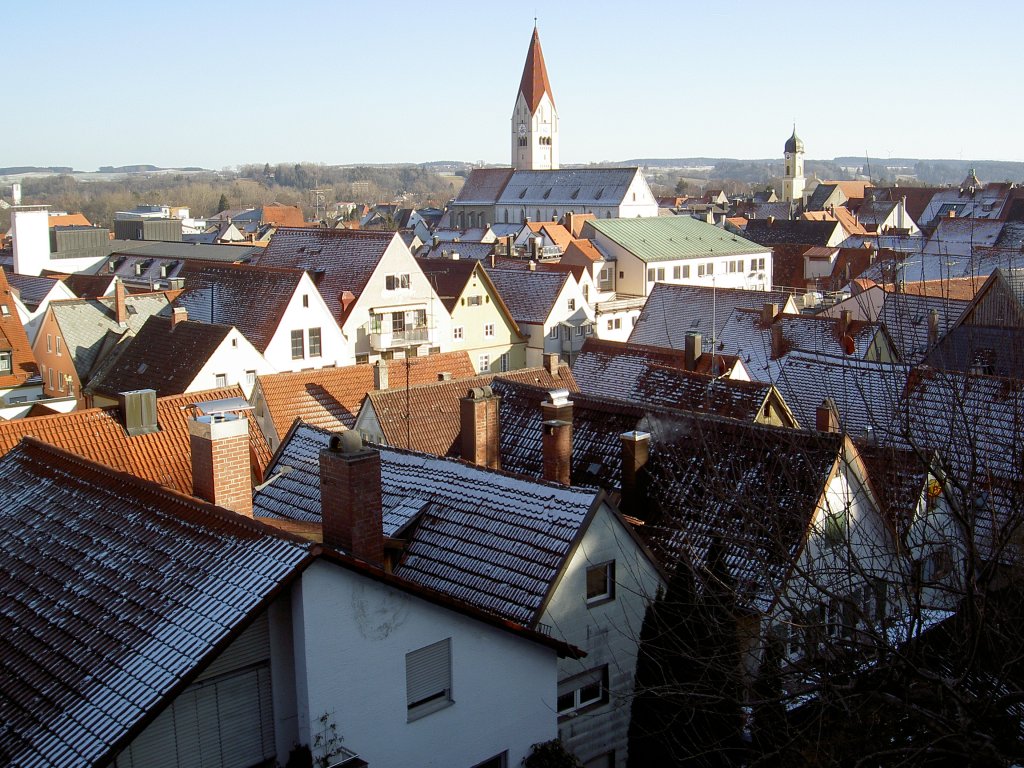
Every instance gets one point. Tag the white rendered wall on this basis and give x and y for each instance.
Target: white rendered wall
(232, 360)
(30, 233)
(351, 637)
(335, 349)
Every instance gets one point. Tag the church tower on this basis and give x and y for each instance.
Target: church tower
(535, 119)
(793, 183)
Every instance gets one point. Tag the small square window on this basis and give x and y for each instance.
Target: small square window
(5, 362)
(428, 679)
(485, 364)
(489, 330)
(458, 333)
(584, 690)
(221, 380)
(601, 582)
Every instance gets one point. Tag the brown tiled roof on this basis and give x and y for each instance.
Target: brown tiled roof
(163, 457)
(433, 423)
(115, 593)
(14, 338)
(534, 83)
(330, 397)
(162, 356)
(87, 286)
(251, 298)
(484, 185)
(583, 248)
(959, 288)
(449, 277)
(283, 216)
(340, 261)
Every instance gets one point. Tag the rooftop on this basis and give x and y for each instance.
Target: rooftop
(670, 238)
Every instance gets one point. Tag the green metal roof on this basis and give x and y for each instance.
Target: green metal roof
(671, 238)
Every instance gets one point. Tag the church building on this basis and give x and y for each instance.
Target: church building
(535, 188)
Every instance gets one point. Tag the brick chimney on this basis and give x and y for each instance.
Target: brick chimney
(551, 361)
(826, 416)
(178, 315)
(845, 319)
(220, 460)
(350, 497)
(556, 440)
(480, 427)
(380, 375)
(636, 448)
(768, 313)
(692, 351)
(120, 302)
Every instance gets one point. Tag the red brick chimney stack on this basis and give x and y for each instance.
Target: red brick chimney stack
(826, 416)
(221, 469)
(556, 440)
(178, 315)
(551, 362)
(350, 497)
(480, 427)
(120, 303)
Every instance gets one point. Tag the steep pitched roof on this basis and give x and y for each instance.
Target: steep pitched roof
(163, 356)
(115, 592)
(582, 251)
(669, 238)
(491, 539)
(906, 317)
(534, 83)
(340, 261)
(14, 339)
(282, 215)
(449, 277)
(87, 323)
(672, 311)
(330, 397)
(162, 457)
(530, 296)
(31, 289)
(575, 187)
(615, 369)
(484, 186)
(433, 423)
(251, 298)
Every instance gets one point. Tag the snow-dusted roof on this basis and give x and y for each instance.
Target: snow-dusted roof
(114, 592)
(577, 187)
(488, 538)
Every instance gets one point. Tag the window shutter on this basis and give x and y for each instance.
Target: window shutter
(428, 672)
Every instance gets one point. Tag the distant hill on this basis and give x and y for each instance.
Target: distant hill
(16, 169)
(144, 169)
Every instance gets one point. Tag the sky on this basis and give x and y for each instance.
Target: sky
(217, 84)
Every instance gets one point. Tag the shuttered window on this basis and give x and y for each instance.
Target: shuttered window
(428, 679)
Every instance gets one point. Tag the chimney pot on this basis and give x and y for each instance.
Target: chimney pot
(768, 313)
(350, 497)
(845, 319)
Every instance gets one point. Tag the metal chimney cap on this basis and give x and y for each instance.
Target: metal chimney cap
(558, 397)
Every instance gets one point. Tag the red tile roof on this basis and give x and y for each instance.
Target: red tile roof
(534, 83)
(14, 338)
(69, 220)
(163, 457)
(433, 425)
(283, 216)
(584, 249)
(330, 397)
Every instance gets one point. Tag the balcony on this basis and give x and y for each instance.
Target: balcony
(411, 337)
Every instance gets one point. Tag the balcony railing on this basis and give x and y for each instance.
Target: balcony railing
(384, 340)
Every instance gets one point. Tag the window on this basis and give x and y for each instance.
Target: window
(474, 301)
(49, 379)
(314, 342)
(757, 265)
(705, 269)
(49, 343)
(498, 761)
(305, 300)
(614, 324)
(661, 273)
(650, 275)
(572, 305)
(5, 310)
(505, 362)
(686, 272)
(5, 362)
(489, 330)
(601, 582)
(736, 265)
(428, 679)
(59, 344)
(250, 378)
(399, 282)
(553, 333)
(586, 293)
(485, 363)
(60, 381)
(606, 277)
(835, 526)
(581, 691)
(458, 333)
(221, 380)
(297, 345)
(677, 273)
(234, 342)
(581, 330)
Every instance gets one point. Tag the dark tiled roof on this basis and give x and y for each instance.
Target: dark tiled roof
(448, 277)
(253, 299)
(31, 289)
(672, 311)
(906, 318)
(616, 369)
(975, 348)
(162, 357)
(88, 286)
(467, 251)
(330, 397)
(114, 592)
(530, 296)
(158, 249)
(493, 540)
(340, 261)
(484, 186)
(163, 457)
(433, 424)
(779, 231)
(569, 187)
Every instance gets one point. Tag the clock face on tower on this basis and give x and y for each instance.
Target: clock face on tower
(522, 129)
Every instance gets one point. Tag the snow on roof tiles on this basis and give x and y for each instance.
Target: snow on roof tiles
(118, 592)
(529, 295)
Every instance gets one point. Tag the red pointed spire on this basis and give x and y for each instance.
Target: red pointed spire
(535, 75)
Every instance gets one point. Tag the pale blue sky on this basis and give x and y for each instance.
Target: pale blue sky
(218, 84)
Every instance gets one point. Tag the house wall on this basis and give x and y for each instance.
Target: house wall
(235, 359)
(334, 348)
(472, 318)
(30, 231)
(351, 637)
(608, 631)
(34, 319)
(568, 341)
(375, 297)
(638, 200)
(59, 362)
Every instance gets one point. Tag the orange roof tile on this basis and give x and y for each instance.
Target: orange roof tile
(961, 288)
(69, 220)
(433, 425)
(329, 398)
(162, 457)
(14, 338)
(283, 216)
(534, 83)
(585, 249)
